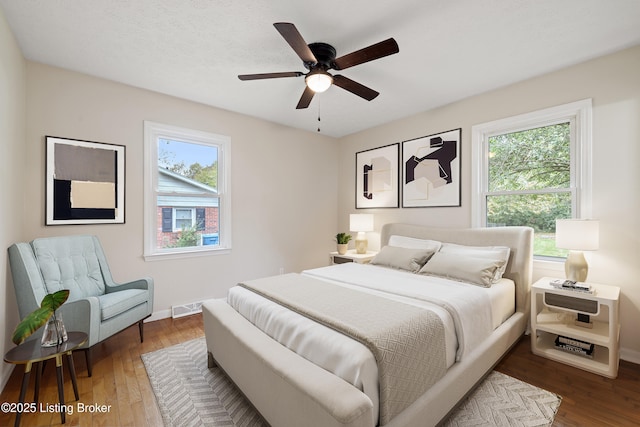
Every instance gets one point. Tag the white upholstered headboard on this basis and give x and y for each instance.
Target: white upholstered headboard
(519, 239)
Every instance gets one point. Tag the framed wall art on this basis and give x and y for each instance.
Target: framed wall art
(377, 177)
(85, 182)
(431, 170)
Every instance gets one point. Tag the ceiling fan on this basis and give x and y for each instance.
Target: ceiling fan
(320, 57)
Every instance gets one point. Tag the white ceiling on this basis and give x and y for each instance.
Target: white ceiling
(194, 49)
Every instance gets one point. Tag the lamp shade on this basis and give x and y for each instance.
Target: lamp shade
(361, 222)
(577, 234)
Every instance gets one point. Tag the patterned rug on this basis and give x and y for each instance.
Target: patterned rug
(501, 400)
(190, 394)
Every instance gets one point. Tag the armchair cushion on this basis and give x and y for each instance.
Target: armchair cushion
(117, 303)
(70, 263)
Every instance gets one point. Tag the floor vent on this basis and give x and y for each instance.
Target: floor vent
(186, 309)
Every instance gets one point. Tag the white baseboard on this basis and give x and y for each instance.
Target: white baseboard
(158, 315)
(630, 355)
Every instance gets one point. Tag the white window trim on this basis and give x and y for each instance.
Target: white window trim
(153, 131)
(579, 113)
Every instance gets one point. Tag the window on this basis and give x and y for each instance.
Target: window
(183, 219)
(187, 200)
(533, 169)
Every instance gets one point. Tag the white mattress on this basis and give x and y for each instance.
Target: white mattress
(485, 309)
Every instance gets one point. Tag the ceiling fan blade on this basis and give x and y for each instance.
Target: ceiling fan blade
(305, 99)
(370, 53)
(295, 40)
(354, 87)
(270, 75)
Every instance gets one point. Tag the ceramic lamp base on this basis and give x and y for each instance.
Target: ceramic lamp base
(361, 245)
(575, 267)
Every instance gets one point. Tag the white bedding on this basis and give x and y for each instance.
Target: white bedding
(500, 297)
(469, 314)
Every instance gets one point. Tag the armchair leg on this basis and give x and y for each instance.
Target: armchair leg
(141, 328)
(87, 357)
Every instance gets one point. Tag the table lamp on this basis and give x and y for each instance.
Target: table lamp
(577, 235)
(361, 223)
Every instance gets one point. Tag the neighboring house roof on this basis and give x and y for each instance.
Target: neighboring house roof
(186, 192)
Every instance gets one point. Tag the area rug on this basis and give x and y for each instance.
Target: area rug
(501, 400)
(190, 394)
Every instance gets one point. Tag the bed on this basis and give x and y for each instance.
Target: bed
(277, 337)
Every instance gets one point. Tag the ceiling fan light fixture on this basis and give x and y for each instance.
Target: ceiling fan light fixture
(318, 81)
(319, 57)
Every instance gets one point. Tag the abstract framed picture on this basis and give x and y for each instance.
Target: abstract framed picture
(85, 182)
(431, 170)
(377, 177)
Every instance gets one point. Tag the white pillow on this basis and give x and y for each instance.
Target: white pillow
(469, 269)
(402, 258)
(413, 243)
(492, 252)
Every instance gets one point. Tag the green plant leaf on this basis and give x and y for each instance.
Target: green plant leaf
(34, 321)
(343, 238)
(55, 300)
(30, 324)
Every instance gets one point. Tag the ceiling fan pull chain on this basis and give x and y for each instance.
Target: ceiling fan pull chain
(318, 114)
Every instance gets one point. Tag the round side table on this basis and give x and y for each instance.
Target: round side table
(31, 352)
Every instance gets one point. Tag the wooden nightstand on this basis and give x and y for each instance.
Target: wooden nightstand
(351, 256)
(555, 334)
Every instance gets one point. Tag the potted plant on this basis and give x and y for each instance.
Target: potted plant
(46, 314)
(343, 242)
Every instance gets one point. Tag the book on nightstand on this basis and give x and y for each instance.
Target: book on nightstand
(572, 285)
(572, 345)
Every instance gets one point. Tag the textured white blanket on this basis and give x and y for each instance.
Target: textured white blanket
(469, 306)
(407, 341)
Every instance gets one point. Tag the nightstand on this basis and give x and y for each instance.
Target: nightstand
(555, 334)
(351, 256)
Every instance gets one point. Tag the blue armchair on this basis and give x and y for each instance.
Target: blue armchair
(96, 305)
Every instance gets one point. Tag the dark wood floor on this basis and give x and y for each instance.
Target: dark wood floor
(120, 380)
(587, 399)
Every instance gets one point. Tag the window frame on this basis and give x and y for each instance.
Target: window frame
(579, 115)
(154, 131)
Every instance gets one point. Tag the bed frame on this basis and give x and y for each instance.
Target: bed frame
(288, 390)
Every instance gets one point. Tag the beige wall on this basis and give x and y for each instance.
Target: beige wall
(613, 83)
(283, 183)
(12, 162)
